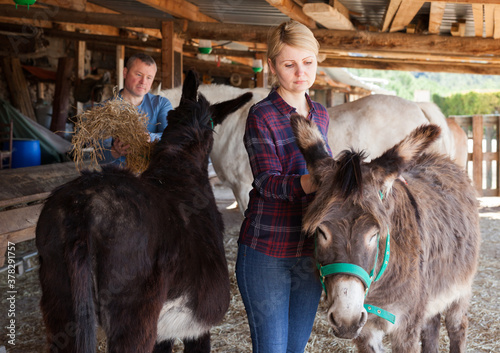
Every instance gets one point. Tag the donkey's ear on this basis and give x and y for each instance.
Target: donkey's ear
(396, 159)
(190, 86)
(311, 144)
(221, 110)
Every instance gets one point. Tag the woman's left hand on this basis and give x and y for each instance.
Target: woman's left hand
(307, 184)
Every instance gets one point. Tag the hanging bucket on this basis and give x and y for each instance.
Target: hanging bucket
(26, 153)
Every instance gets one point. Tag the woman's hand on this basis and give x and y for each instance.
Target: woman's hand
(307, 184)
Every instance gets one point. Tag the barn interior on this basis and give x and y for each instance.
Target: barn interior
(61, 57)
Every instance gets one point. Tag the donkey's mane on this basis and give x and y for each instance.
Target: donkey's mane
(187, 127)
(348, 176)
(195, 113)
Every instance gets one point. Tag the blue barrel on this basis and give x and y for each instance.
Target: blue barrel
(25, 153)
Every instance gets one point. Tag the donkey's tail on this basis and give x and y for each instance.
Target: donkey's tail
(80, 272)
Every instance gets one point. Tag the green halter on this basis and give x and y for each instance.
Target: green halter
(359, 272)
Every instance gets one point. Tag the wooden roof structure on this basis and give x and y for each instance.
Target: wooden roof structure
(461, 36)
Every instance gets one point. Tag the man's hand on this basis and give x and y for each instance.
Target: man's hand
(119, 149)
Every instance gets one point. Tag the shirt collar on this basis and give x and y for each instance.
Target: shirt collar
(283, 107)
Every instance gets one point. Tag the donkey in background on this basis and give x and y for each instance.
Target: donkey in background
(142, 256)
(421, 211)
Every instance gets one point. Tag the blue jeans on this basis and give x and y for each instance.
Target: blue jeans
(281, 297)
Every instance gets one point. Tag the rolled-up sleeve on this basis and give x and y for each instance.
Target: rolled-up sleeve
(270, 180)
(158, 121)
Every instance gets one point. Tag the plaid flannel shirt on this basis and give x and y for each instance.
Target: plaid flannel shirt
(273, 219)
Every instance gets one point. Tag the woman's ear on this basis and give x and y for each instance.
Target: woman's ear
(271, 66)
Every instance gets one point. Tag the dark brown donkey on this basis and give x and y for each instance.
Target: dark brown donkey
(397, 241)
(142, 256)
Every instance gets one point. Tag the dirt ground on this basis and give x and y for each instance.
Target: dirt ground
(232, 335)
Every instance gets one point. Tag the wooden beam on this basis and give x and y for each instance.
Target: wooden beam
(489, 24)
(351, 40)
(409, 65)
(262, 77)
(21, 186)
(63, 15)
(19, 218)
(167, 56)
(80, 69)
(390, 12)
(496, 30)
(179, 8)
(292, 10)
(337, 5)
(358, 41)
(224, 52)
(120, 65)
(458, 28)
(408, 43)
(470, 1)
(222, 69)
(342, 41)
(477, 13)
(436, 16)
(178, 60)
(455, 59)
(77, 5)
(61, 95)
(114, 40)
(96, 8)
(18, 87)
(406, 11)
(171, 57)
(328, 16)
(241, 33)
(477, 153)
(93, 28)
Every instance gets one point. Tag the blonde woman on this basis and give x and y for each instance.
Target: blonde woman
(275, 270)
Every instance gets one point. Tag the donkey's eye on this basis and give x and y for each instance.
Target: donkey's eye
(373, 238)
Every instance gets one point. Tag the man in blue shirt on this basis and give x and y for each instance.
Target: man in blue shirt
(139, 75)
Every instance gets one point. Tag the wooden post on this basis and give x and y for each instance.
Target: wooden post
(40, 90)
(171, 57)
(120, 64)
(262, 77)
(330, 98)
(477, 153)
(167, 55)
(178, 60)
(498, 156)
(61, 95)
(80, 69)
(18, 87)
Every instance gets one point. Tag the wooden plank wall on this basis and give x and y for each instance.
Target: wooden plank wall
(21, 194)
(483, 166)
(18, 86)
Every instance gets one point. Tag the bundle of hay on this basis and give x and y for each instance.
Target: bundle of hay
(114, 118)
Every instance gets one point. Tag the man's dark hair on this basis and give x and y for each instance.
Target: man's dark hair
(145, 58)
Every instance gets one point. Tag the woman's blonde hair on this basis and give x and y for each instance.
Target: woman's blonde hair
(291, 33)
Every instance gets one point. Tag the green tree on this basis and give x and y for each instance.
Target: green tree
(442, 84)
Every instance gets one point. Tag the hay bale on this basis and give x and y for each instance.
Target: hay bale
(114, 118)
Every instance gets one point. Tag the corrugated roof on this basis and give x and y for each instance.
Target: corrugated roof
(248, 12)
(260, 12)
(132, 7)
